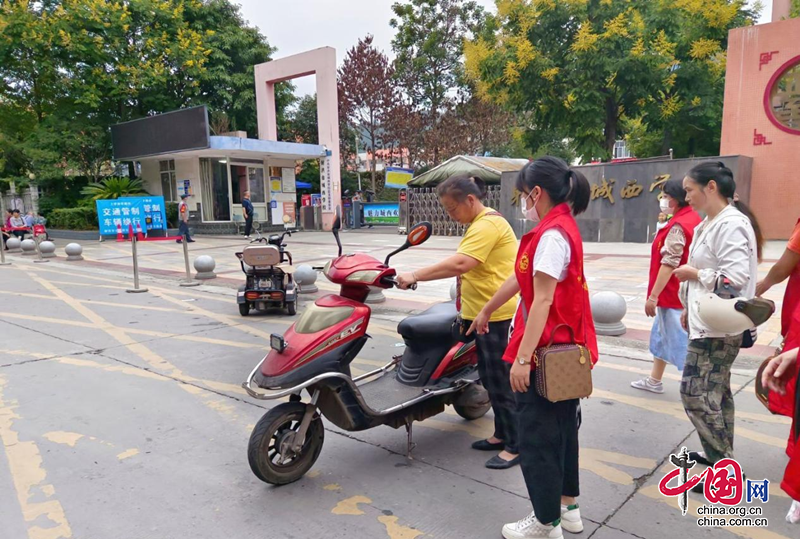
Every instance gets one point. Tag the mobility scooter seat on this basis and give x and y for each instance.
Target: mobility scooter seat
(429, 325)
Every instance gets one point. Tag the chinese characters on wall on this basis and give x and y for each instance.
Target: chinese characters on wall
(631, 189)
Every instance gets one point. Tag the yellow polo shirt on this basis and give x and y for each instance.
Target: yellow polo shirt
(491, 241)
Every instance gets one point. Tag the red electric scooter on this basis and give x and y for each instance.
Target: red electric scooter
(314, 355)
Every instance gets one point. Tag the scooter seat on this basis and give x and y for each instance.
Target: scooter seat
(433, 324)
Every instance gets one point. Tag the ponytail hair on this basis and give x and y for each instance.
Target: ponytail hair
(459, 187)
(723, 177)
(562, 183)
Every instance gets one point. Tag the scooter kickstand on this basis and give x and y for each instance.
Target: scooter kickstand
(410, 445)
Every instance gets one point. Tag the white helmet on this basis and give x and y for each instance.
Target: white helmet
(734, 315)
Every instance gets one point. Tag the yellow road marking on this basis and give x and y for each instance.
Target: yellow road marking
(332, 487)
(395, 530)
(27, 473)
(128, 454)
(63, 437)
(350, 506)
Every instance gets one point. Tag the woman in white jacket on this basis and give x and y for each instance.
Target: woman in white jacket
(726, 244)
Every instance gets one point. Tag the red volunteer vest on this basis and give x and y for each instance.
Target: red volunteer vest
(571, 299)
(784, 404)
(791, 477)
(687, 219)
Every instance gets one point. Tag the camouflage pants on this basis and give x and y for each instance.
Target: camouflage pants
(706, 393)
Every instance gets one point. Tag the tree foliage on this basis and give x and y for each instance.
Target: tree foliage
(429, 47)
(588, 70)
(71, 68)
(366, 93)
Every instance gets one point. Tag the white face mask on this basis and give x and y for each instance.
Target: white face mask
(531, 214)
(664, 205)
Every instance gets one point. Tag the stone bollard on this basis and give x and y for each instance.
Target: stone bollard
(305, 277)
(74, 252)
(13, 245)
(48, 249)
(454, 291)
(28, 248)
(375, 296)
(204, 265)
(608, 310)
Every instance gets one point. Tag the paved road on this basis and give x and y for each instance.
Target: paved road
(121, 416)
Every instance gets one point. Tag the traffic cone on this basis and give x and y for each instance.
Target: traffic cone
(120, 237)
(130, 232)
(139, 234)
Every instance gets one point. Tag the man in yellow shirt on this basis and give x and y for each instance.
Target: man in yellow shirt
(484, 260)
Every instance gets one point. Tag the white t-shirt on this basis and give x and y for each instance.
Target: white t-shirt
(553, 254)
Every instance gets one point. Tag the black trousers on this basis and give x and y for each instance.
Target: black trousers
(549, 450)
(248, 225)
(495, 377)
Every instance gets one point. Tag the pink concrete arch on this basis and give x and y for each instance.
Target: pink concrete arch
(322, 63)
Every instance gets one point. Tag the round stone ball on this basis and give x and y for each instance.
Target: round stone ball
(305, 275)
(13, 243)
(73, 249)
(204, 264)
(27, 245)
(47, 247)
(608, 307)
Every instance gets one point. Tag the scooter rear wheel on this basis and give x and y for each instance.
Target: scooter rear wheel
(268, 452)
(291, 308)
(473, 402)
(244, 309)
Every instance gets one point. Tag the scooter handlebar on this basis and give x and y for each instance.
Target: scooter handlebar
(393, 282)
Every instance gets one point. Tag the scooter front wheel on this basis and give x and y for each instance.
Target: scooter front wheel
(269, 451)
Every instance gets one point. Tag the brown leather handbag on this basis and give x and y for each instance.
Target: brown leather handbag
(563, 371)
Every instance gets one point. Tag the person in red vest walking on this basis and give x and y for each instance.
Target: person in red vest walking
(787, 266)
(780, 372)
(548, 274)
(668, 339)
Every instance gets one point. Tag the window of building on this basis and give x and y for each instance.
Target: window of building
(168, 186)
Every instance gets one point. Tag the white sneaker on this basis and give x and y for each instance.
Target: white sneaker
(647, 384)
(793, 516)
(529, 528)
(571, 518)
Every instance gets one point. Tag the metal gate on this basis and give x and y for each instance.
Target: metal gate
(423, 205)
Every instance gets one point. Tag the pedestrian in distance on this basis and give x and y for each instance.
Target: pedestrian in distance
(670, 250)
(483, 262)
(554, 308)
(726, 248)
(247, 213)
(183, 219)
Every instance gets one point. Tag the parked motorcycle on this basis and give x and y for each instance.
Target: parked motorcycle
(435, 370)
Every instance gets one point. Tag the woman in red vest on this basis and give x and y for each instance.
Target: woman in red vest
(548, 274)
(777, 376)
(787, 266)
(668, 339)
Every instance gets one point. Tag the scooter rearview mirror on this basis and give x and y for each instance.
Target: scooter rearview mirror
(419, 234)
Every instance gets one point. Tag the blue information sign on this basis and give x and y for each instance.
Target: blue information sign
(148, 212)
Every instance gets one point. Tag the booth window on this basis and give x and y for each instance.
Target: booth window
(168, 185)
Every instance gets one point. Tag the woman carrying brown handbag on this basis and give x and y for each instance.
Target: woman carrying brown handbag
(554, 308)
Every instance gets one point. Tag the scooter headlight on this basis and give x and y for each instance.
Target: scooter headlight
(326, 268)
(367, 276)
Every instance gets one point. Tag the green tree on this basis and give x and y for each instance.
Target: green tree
(113, 188)
(583, 68)
(69, 69)
(303, 125)
(429, 47)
